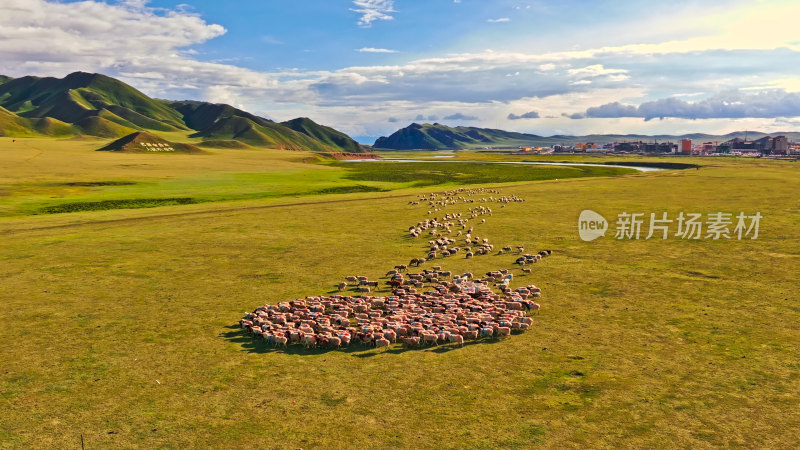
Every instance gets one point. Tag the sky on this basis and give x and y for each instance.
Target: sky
(370, 67)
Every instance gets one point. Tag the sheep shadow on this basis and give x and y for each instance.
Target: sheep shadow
(252, 344)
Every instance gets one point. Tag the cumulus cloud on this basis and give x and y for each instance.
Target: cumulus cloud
(460, 116)
(731, 105)
(420, 117)
(39, 36)
(595, 70)
(393, 120)
(375, 50)
(40, 33)
(527, 115)
(372, 10)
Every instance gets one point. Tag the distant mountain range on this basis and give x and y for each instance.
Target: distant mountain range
(90, 104)
(441, 137)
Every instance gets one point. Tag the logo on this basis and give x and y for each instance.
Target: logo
(591, 225)
(690, 226)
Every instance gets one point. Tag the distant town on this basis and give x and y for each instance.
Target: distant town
(767, 146)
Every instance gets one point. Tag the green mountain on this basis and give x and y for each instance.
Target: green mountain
(439, 137)
(97, 105)
(16, 126)
(13, 125)
(262, 134)
(80, 95)
(201, 115)
(436, 136)
(324, 134)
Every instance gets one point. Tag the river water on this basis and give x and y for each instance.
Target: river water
(530, 163)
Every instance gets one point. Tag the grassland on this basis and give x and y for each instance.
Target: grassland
(118, 325)
(42, 176)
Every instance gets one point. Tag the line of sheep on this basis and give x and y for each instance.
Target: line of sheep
(452, 313)
(454, 308)
(440, 227)
(363, 284)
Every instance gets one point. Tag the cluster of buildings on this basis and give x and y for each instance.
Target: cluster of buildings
(776, 146)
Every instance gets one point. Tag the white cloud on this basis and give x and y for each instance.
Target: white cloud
(500, 20)
(731, 104)
(37, 36)
(527, 115)
(372, 10)
(460, 116)
(375, 50)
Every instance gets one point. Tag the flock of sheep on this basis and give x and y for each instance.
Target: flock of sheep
(430, 307)
(452, 312)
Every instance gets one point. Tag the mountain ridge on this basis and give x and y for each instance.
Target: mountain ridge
(93, 104)
(442, 137)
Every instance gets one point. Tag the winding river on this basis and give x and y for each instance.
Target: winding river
(531, 163)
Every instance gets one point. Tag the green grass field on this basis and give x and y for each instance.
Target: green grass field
(118, 325)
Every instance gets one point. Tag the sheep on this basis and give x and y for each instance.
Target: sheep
(309, 341)
(412, 341)
(342, 286)
(430, 338)
(382, 342)
(456, 338)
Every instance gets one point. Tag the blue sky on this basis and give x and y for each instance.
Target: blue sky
(368, 67)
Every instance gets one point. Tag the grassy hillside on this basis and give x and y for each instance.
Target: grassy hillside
(436, 136)
(98, 105)
(266, 134)
(143, 142)
(639, 342)
(326, 135)
(79, 95)
(101, 127)
(202, 115)
(13, 125)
